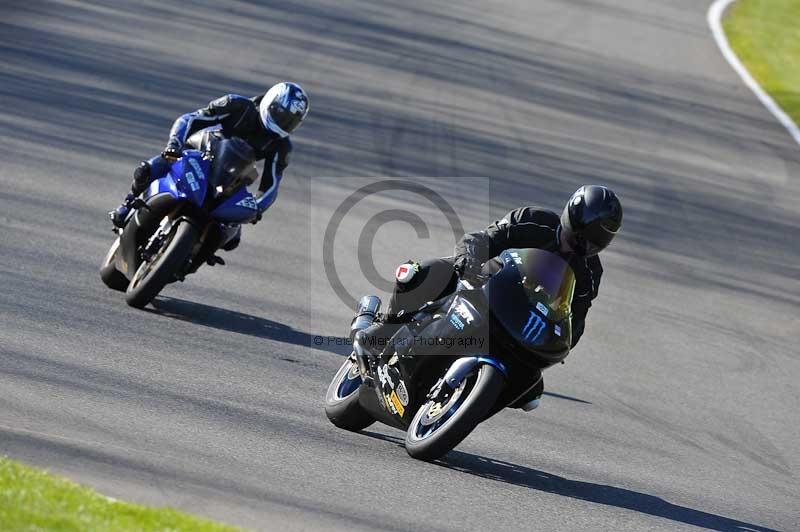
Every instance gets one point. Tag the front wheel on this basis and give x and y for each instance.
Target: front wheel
(341, 400)
(443, 422)
(111, 276)
(154, 274)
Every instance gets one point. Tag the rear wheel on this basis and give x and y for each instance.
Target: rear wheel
(154, 274)
(443, 422)
(341, 400)
(111, 276)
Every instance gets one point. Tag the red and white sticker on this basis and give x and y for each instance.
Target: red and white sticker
(405, 272)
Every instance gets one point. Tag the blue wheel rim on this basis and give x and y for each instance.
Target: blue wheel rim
(349, 383)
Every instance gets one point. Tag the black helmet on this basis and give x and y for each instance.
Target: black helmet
(283, 108)
(591, 218)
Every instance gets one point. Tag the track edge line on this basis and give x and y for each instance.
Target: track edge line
(714, 18)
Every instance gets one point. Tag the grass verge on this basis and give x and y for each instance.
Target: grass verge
(765, 34)
(31, 499)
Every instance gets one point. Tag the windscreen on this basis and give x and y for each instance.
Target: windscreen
(232, 165)
(531, 295)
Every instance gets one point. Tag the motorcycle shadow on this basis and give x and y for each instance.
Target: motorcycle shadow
(239, 322)
(534, 479)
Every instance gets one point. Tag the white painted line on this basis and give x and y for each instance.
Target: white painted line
(715, 21)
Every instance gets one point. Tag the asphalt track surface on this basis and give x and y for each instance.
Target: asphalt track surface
(679, 410)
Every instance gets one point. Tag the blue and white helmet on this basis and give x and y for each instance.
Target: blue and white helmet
(283, 108)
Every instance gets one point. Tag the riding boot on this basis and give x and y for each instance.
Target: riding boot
(141, 178)
(120, 214)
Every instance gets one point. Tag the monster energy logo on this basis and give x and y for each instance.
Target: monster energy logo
(533, 328)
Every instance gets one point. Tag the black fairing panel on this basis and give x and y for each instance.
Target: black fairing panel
(419, 354)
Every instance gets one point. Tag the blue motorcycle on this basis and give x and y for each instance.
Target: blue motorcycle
(182, 219)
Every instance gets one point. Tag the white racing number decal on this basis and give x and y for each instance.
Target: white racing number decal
(392, 398)
(383, 376)
(193, 184)
(197, 169)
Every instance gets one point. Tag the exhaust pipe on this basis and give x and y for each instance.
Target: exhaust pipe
(366, 312)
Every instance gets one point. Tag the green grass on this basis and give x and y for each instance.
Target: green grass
(31, 499)
(765, 34)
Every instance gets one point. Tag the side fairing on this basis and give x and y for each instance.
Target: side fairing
(189, 174)
(241, 207)
(186, 179)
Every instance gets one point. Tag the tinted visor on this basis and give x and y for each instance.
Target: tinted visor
(573, 238)
(589, 240)
(285, 119)
(597, 237)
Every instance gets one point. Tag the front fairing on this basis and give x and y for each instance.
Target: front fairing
(530, 300)
(186, 179)
(239, 207)
(457, 328)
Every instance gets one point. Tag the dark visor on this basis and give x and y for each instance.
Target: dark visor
(285, 119)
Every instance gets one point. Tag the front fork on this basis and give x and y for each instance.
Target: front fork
(160, 238)
(458, 371)
(157, 239)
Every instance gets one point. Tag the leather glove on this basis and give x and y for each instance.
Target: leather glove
(468, 267)
(172, 152)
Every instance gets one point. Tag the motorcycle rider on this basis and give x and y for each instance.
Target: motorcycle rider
(586, 226)
(264, 122)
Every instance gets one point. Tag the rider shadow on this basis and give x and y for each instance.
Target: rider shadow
(238, 322)
(566, 397)
(587, 491)
(534, 479)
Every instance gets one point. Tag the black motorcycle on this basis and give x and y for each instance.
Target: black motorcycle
(461, 359)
